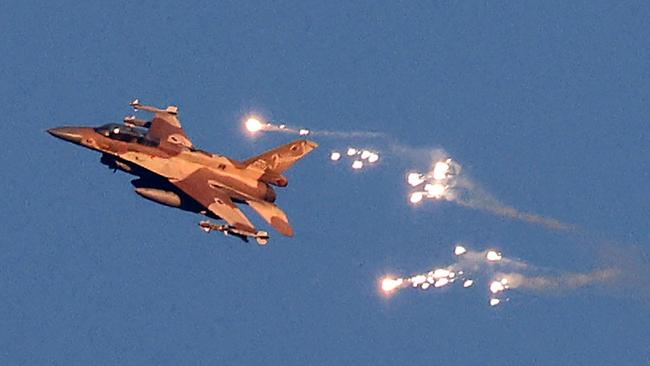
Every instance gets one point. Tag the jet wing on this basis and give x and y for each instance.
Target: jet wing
(165, 128)
(197, 185)
(273, 215)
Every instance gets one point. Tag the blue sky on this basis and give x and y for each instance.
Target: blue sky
(544, 103)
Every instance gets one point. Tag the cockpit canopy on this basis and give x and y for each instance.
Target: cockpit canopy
(124, 133)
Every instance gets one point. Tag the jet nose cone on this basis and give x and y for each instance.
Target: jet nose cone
(71, 134)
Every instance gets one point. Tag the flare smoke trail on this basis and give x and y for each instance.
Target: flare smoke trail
(254, 125)
(471, 195)
(417, 155)
(349, 134)
(564, 281)
(499, 274)
(445, 180)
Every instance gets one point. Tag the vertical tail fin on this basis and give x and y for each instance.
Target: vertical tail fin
(282, 158)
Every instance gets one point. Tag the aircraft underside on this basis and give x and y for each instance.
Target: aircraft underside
(159, 190)
(156, 188)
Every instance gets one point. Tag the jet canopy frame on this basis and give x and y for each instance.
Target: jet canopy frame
(125, 133)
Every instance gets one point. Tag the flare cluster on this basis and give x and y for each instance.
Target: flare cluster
(458, 272)
(438, 183)
(358, 157)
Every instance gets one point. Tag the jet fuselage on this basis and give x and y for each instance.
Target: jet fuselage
(142, 158)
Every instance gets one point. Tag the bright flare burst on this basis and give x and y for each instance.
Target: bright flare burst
(493, 256)
(435, 190)
(390, 284)
(496, 287)
(416, 197)
(254, 125)
(460, 250)
(415, 179)
(440, 170)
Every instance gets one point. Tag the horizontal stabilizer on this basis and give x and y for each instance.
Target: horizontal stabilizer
(282, 158)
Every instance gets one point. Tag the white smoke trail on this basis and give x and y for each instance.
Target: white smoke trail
(255, 124)
(499, 274)
(349, 134)
(470, 194)
(445, 180)
(565, 281)
(418, 155)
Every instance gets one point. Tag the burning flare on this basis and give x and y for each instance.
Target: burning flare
(390, 284)
(440, 170)
(416, 197)
(254, 125)
(493, 256)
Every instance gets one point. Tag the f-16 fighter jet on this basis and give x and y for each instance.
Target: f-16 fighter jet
(173, 172)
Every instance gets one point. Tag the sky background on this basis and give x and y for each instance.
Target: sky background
(545, 104)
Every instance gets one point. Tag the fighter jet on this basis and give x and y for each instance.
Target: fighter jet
(173, 172)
